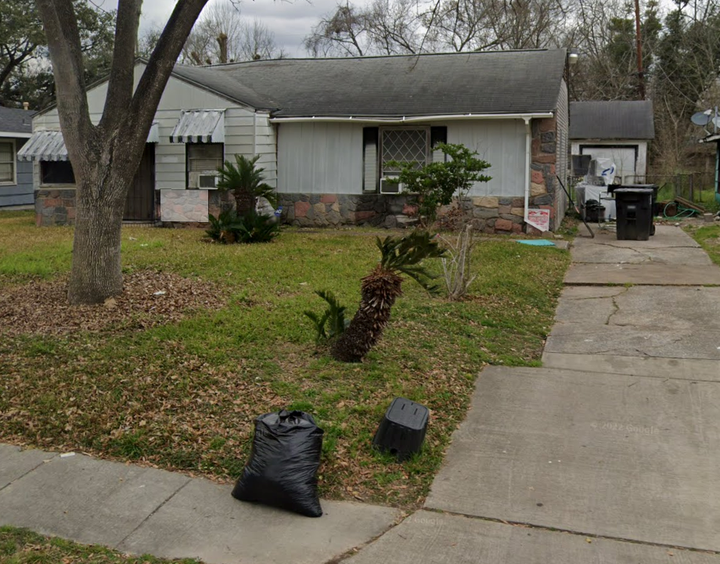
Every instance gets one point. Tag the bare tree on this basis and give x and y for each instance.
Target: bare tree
(415, 26)
(257, 42)
(105, 156)
(222, 35)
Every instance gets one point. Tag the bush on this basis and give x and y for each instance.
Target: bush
(334, 314)
(253, 228)
(437, 183)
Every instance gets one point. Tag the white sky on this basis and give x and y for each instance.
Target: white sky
(289, 20)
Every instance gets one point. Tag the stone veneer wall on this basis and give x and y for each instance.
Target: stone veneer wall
(543, 185)
(54, 207)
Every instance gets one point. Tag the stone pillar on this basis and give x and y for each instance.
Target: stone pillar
(54, 207)
(543, 184)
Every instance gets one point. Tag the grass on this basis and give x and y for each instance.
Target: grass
(184, 396)
(709, 239)
(20, 546)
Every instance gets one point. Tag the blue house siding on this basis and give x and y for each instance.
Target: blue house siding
(22, 193)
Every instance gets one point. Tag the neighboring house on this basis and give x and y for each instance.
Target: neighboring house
(619, 131)
(16, 186)
(325, 129)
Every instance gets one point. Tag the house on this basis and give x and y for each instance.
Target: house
(16, 187)
(325, 130)
(618, 130)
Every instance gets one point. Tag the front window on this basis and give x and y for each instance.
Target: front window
(56, 172)
(404, 145)
(203, 158)
(7, 162)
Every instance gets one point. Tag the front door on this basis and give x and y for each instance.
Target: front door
(140, 202)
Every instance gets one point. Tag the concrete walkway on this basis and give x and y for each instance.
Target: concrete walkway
(142, 510)
(611, 451)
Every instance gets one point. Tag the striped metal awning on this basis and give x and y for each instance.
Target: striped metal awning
(199, 126)
(44, 146)
(50, 145)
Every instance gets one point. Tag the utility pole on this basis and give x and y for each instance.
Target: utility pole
(638, 38)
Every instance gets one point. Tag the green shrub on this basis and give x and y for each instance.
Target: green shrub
(334, 314)
(253, 228)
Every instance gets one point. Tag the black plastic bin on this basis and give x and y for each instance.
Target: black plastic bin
(402, 430)
(653, 187)
(634, 213)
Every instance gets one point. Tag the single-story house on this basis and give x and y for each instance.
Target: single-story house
(325, 130)
(16, 186)
(618, 131)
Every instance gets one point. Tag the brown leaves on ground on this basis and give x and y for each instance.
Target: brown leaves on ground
(149, 299)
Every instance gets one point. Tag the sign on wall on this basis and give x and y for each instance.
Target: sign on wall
(539, 219)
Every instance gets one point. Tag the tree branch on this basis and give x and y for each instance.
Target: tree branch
(120, 85)
(157, 73)
(61, 30)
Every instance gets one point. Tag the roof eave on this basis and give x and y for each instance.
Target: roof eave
(412, 119)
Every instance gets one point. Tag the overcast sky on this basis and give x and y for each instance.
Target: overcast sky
(291, 21)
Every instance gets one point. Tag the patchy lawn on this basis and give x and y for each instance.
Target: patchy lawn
(20, 546)
(183, 395)
(708, 236)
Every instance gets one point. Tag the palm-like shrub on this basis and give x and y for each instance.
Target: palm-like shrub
(228, 227)
(332, 323)
(245, 181)
(380, 289)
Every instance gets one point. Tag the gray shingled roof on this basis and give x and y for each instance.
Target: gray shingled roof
(15, 121)
(612, 120)
(442, 84)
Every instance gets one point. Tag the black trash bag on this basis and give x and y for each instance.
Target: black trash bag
(283, 465)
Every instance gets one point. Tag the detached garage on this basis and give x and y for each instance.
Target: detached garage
(619, 131)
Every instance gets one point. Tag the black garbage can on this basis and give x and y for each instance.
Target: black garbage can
(654, 187)
(634, 213)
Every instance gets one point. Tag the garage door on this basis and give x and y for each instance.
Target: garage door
(623, 157)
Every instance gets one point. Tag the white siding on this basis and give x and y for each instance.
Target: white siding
(243, 133)
(502, 144)
(320, 158)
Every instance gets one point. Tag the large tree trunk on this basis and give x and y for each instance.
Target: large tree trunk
(379, 291)
(106, 155)
(96, 268)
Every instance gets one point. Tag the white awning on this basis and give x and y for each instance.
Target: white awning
(44, 146)
(199, 126)
(50, 145)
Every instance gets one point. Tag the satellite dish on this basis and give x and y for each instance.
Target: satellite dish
(701, 118)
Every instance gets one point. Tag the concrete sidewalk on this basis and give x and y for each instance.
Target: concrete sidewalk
(143, 510)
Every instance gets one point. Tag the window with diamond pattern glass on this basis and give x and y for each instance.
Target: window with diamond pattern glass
(405, 146)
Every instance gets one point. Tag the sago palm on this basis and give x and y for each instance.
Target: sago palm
(380, 289)
(245, 181)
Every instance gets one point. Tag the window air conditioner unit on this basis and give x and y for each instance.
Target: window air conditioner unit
(207, 180)
(391, 185)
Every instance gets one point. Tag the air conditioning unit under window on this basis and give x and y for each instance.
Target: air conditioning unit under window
(208, 180)
(204, 180)
(391, 185)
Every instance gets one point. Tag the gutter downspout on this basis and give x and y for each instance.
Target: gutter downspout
(528, 163)
(254, 133)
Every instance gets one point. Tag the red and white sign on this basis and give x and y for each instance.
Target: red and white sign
(539, 219)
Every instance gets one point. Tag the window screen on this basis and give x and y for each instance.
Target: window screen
(405, 146)
(7, 162)
(204, 157)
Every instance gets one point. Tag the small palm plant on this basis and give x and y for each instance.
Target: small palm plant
(245, 181)
(380, 289)
(332, 323)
